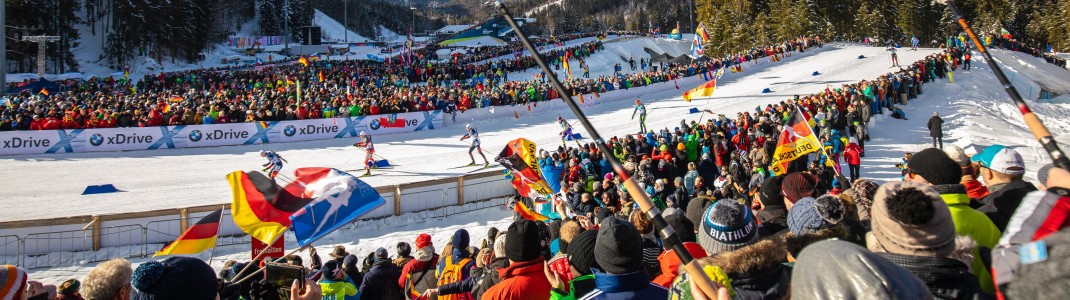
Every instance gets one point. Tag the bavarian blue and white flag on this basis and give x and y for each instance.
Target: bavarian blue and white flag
(338, 199)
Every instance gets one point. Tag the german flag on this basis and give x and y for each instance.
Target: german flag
(303, 61)
(44, 91)
(528, 214)
(321, 77)
(261, 207)
(704, 90)
(197, 238)
(797, 139)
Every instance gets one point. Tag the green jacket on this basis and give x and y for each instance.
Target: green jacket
(557, 295)
(974, 224)
(337, 290)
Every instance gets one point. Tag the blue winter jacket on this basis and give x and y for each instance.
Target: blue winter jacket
(635, 285)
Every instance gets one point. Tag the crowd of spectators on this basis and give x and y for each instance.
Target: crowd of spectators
(955, 227)
(329, 89)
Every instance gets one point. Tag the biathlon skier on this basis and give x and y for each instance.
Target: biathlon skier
(369, 151)
(474, 135)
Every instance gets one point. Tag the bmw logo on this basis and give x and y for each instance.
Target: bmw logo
(375, 124)
(96, 139)
(195, 135)
(289, 130)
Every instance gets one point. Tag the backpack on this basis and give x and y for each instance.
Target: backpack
(418, 281)
(453, 273)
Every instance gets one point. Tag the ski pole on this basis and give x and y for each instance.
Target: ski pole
(1036, 126)
(666, 232)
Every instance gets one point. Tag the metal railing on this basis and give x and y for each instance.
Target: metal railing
(100, 243)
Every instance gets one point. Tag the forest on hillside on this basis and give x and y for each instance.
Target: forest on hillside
(181, 30)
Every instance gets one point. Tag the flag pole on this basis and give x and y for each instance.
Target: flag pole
(1036, 126)
(665, 231)
(219, 227)
(259, 256)
(820, 145)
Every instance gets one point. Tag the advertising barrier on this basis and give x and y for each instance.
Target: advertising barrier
(190, 136)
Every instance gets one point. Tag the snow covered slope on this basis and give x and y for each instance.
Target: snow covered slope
(190, 177)
(335, 31)
(976, 111)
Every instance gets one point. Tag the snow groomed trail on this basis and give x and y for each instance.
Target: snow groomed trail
(49, 186)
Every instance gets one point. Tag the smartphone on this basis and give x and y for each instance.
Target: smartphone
(283, 275)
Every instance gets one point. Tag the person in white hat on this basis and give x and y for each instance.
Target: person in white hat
(1002, 169)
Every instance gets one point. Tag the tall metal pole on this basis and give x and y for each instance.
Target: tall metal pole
(664, 230)
(3, 45)
(346, 21)
(691, 11)
(286, 26)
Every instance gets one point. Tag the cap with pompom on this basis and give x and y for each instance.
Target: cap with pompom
(176, 277)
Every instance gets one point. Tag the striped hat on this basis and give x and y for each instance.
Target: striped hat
(14, 282)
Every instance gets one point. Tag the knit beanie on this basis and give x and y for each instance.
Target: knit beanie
(934, 165)
(581, 252)
(12, 282)
(499, 245)
(522, 242)
(619, 248)
(177, 277)
(726, 226)
(696, 208)
(1042, 174)
(797, 186)
(865, 188)
(810, 215)
(331, 268)
(770, 192)
(425, 250)
(910, 218)
(460, 239)
(683, 227)
(957, 154)
(350, 262)
(381, 254)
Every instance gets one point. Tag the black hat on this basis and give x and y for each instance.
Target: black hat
(176, 277)
(696, 208)
(683, 227)
(770, 192)
(935, 166)
(619, 248)
(581, 252)
(522, 241)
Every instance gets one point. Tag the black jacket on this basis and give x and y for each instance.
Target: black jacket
(936, 127)
(946, 278)
(381, 282)
(1000, 205)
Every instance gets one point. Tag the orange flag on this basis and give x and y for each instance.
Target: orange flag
(527, 213)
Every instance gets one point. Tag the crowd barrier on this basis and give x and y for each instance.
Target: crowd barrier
(190, 136)
(86, 239)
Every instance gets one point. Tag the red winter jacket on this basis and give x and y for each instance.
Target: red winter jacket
(521, 281)
(670, 263)
(853, 154)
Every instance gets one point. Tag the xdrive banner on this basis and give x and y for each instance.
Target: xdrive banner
(189, 136)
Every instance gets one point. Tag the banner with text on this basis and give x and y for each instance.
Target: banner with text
(189, 136)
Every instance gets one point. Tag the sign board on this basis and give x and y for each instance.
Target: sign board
(274, 251)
